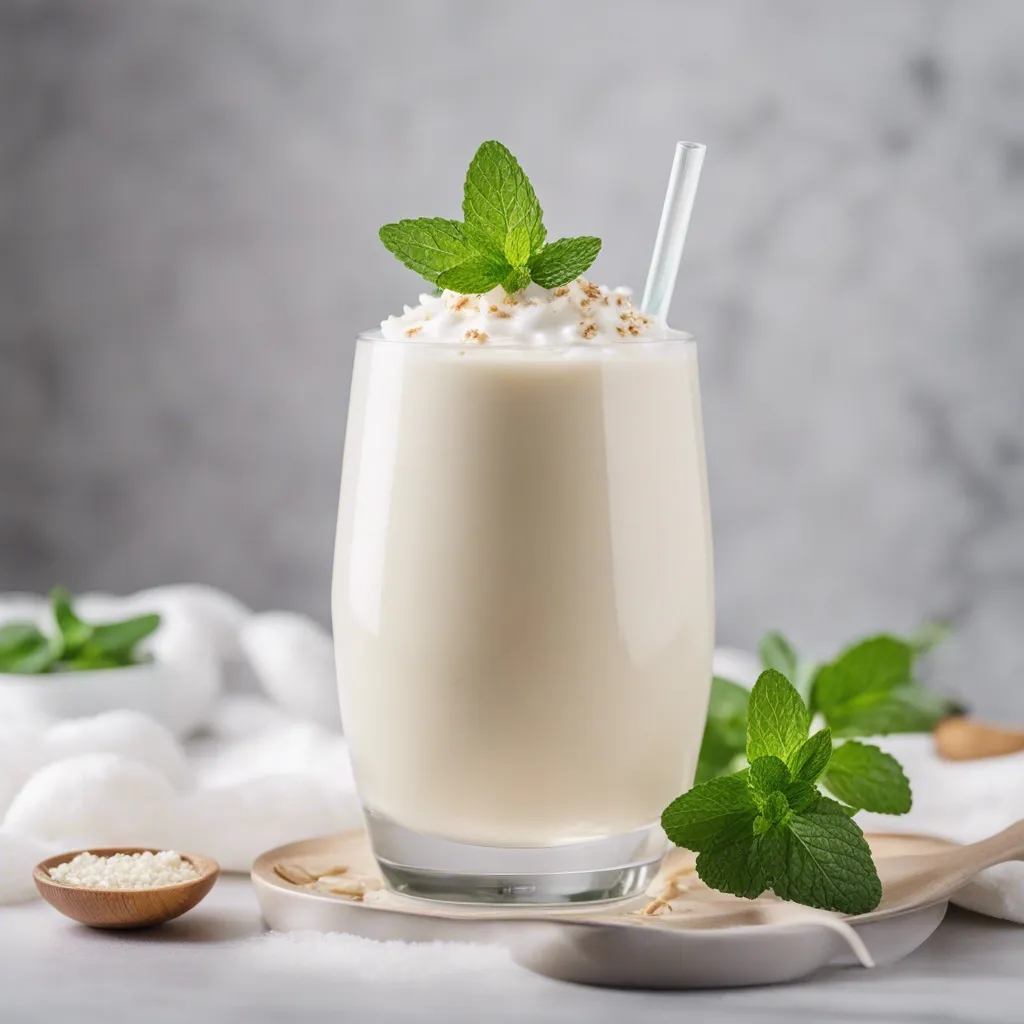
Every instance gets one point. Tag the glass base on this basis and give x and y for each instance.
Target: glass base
(421, 865)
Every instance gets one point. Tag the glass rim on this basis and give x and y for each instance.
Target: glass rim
(680, 338)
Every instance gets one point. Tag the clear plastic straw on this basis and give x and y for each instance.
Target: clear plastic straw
(675, 219)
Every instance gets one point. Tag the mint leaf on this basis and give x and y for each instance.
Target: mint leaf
(907, 708)
(474, 277)
(863, 776)
(498, 199)
(823, 860)
(563, 261)
(89, 659)
(23, 649)
(733, 862)
(810, 759)
(868, 691)
(430, 246)
(725, 731)
(120, 638)
(708, 809)
(501, 240)
(517, 246)
(74, 633)
(768, 775)
(777, 652)
(777, 719)
(16, 636)
(877, 665)
(517, 279)
(800, 794)
(774, 811)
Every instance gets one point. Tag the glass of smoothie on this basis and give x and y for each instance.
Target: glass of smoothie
(522, 595)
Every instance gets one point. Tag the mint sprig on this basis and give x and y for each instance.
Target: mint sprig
(768, 826)
(869, 689)
(501, 240)
(76, 646)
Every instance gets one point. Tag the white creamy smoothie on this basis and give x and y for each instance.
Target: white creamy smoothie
(522, 591)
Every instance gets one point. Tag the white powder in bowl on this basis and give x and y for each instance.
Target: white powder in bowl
(125, 870)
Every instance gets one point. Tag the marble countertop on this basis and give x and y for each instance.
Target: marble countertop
(211, 966)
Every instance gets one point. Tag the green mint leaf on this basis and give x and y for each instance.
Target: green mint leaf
(517, 279)
(824, 861)
(498, 198)
(777, 652)
(74, 633)
(927, 637)
(517, 246)
(116, 639)
(775, 810)
(474, 277)
(868, 691)
(89, 659)
(777, 719)
(907, 708)
(563, 261)
(16, 636)
(801, 794)
(877, 665)
(430, 246)
(725, 731)
(733, 861)
(692, 819)
(768, 775)
(811, 759)
(863, 776)
(23, 649)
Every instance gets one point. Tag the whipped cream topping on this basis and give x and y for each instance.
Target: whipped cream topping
(577, 313)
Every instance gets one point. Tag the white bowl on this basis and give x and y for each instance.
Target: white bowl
(150, 688)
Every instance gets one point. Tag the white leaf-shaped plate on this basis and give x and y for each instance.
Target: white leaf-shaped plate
(702, 939)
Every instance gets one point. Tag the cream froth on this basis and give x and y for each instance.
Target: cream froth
(579, 312)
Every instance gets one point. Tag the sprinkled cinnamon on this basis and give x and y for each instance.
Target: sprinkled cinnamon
(461, 304)
(559, 292)
(589, 330)
(413, 330)
(502, 314)
(591, 290)
(475, 335)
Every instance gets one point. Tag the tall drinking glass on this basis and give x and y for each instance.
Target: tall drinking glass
(523, 611)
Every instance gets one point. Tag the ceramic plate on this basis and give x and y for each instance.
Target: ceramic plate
(700, 939)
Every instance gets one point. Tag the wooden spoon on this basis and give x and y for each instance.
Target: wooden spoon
(124, 908)
(920, 879)
(965, 739)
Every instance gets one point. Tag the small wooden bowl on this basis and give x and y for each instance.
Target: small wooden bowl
(124, 908)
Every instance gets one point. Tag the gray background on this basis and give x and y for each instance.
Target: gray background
(189, 195)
